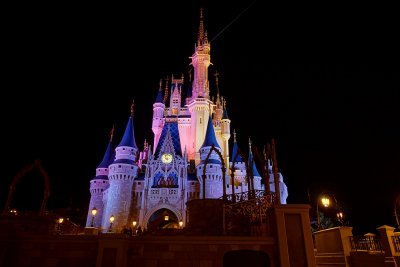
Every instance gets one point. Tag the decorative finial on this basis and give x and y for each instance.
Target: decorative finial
(132, 107)
(216, 74)
(190, 74)
(264, 153)
(200, 39)
(250, 143)
(146, 145)
(112, 133)
(166, 90)
(160, 85)
(234, 135)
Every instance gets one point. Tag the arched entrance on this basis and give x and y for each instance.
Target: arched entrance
(37, 164)
(246, 258)
(162, 219)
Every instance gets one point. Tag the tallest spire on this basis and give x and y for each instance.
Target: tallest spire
(200, 63)
(202, 36)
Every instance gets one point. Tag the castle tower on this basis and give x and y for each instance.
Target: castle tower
(213, 179)
(200, 103)
(226, 133)
(98, 185)
(121, 175)
(200, 62)
(158, 116)
(175, 99)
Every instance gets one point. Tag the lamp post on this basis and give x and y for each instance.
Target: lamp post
(94, 212)
(112, 218)
(339, 216)
(325, 201)
(59, 222)
(134, 223)
(180, 224)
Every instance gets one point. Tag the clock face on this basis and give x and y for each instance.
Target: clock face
(166, 158)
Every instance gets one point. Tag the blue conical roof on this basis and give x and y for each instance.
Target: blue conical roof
(235, 151)
(129, 136)
(210, 139)
(251, 161)
(108, 157)
(159, 98)
(225, 115)
(172, 129)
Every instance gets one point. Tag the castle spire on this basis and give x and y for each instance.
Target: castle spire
(132, 108)
(129, 136)
(159, 98)
(108, 157)
(218, 100)
(251, 160)
(235, 149)
(210, 138)
(225, 114)
(200, 37)
(166, 90)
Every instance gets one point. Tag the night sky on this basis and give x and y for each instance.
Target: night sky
(321, 80)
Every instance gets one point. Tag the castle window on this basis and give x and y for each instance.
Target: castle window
(139, 183)
(119, 166)
(123, 148)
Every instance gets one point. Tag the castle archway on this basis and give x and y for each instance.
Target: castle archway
(37, 164)
(162, 217)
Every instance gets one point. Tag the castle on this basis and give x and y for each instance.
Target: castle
(150, 188)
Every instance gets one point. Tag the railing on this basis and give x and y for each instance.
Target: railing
(248, 195)
(247, 213)
(366, 243)
(396, 243)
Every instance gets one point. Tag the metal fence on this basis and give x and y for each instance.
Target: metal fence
(368, 243)
(396, 242)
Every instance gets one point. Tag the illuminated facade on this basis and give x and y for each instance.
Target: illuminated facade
(152, 187)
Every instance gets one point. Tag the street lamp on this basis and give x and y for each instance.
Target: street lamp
(339, 216)
(134, 223)
(112, 218)
(94, 211)
(59, 222)
(180, 224)
(326, 202)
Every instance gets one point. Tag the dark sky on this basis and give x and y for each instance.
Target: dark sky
(322, 80)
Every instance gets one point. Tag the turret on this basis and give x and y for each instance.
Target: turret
(218, 101)
(175, 99)
(97, 186)
(213, 174)
(121, 175)
(199, 106)
(225, 132)
(158, 116)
